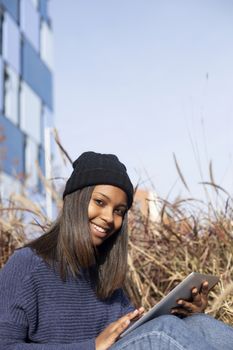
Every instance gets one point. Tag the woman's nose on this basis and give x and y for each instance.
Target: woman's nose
(107, 215)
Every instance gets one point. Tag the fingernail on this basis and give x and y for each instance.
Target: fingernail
(127, 322)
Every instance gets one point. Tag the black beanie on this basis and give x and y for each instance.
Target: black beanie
(99, 169)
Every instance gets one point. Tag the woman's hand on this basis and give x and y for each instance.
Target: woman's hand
(196, 305)
(110, 334)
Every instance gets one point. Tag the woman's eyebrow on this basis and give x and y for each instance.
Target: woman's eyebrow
(120, 205)
(102, 194)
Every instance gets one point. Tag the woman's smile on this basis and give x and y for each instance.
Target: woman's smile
(99, 231)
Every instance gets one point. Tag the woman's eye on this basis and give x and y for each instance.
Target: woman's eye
(99, 202)
(120, 212)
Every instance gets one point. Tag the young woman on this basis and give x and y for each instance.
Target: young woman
(63, 291)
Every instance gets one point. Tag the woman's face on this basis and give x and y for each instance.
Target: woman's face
(106, 210)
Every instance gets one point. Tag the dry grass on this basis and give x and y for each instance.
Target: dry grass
(20, 219)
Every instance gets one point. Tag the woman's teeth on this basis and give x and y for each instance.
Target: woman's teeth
(100, 229)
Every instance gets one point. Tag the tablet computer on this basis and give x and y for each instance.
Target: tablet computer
(181, 291)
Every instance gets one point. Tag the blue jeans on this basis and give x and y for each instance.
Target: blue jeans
(169, 332)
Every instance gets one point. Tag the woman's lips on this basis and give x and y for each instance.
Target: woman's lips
(99, 231)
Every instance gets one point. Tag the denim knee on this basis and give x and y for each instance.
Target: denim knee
(219, 334)
(159, 333)
(149, 340)
(206, 324)
(166, 332)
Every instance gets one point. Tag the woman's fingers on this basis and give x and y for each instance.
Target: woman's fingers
(205, 288)
(141, 310)
(124, 321)
(203, 291)
(120, 329)
(196, 296)
(120, 325)
(130, 316)
(199, 300)
(188, 306)
(139, 315)
(135, 314)
(110, 334)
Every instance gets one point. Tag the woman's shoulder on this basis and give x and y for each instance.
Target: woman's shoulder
(22, 262)
(17, 277)
(25, 254)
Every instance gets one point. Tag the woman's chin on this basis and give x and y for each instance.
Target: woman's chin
(97, 241)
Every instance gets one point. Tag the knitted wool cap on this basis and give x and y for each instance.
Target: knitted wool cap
(99, 169)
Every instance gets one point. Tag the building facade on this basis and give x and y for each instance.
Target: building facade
(26, 91)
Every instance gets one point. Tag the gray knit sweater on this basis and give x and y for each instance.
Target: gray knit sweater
(38, 311)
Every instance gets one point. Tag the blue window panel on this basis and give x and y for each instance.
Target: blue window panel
(12, 6)
(36, 74)
(11, 43)
(12, 142)
(43, 9)
(1, 85)
(42, 167)
(30, 22)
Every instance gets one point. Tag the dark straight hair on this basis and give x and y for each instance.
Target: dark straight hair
(68, 244)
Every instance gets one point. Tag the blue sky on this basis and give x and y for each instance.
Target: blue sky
(146, 79)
